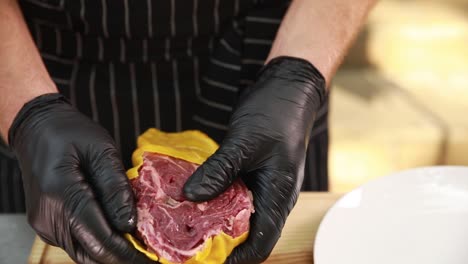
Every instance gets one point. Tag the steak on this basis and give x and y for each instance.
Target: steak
(175, 228)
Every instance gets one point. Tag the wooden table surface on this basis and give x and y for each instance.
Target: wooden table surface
(295, 245)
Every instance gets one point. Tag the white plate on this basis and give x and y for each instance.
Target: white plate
(416, 216)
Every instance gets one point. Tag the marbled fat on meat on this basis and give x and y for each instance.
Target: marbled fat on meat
(175, 228)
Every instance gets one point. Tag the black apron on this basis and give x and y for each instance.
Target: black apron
(170, 64)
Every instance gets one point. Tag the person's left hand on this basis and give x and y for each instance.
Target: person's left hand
(266, 146)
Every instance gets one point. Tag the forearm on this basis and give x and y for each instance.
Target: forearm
(320, 31)
(23, 75)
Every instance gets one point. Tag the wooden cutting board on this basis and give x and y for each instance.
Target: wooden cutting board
(295, 245)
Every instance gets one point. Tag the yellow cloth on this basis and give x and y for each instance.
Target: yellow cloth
(193, 146)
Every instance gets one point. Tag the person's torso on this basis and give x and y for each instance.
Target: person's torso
(72, 28)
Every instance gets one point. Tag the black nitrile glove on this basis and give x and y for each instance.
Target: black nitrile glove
(265, 146)
(77, 195)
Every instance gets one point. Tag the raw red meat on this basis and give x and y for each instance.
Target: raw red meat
(175, 228)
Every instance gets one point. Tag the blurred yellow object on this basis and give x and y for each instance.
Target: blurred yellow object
(408, 109)
(192, 146)
(420, 42)
(376, 129)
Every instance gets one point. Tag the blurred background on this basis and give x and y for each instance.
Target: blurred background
(401, 98)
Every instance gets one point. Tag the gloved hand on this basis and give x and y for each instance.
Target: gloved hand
(265, 146)
(77, 195)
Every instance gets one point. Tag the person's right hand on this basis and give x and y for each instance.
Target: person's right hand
(77, 195)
